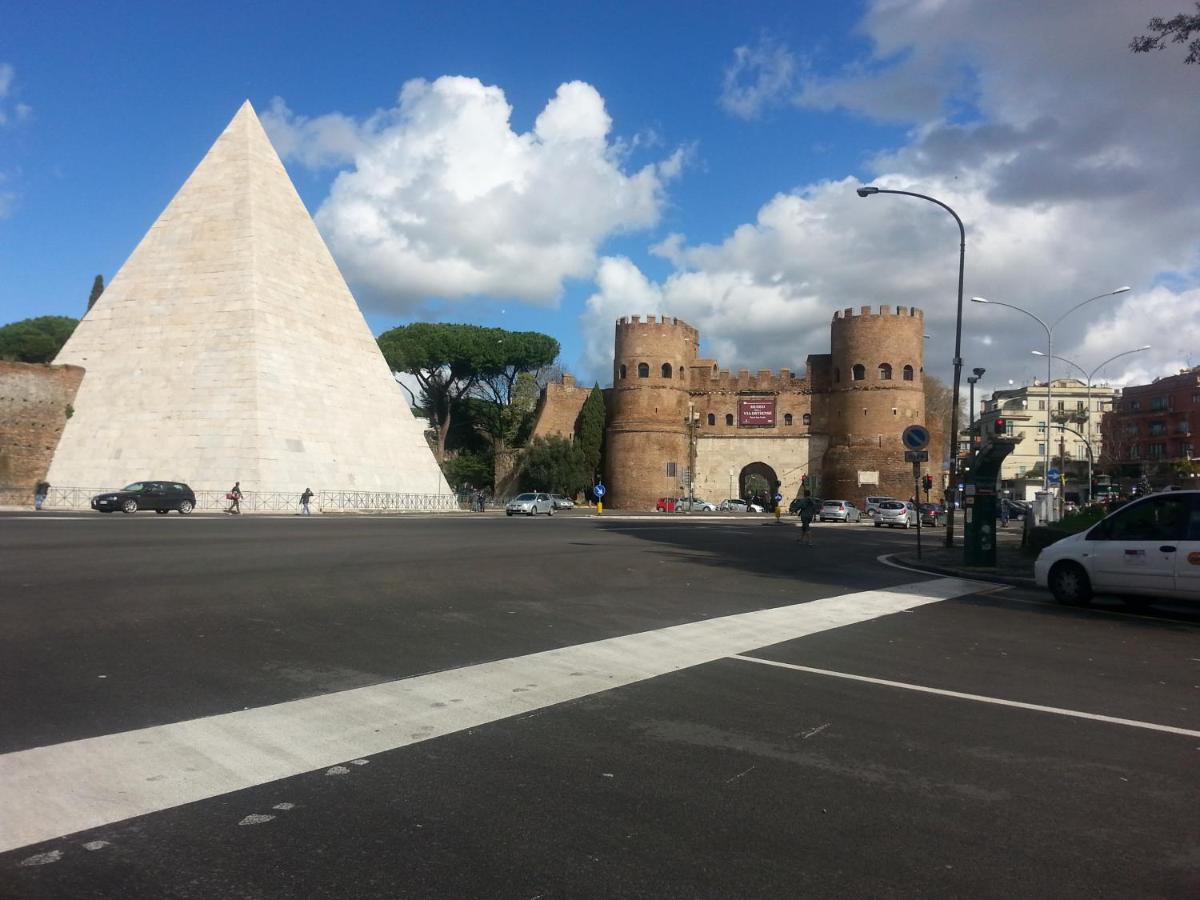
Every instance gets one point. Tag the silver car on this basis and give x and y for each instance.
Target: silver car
(683, 504)
(530, 505)
(838, 511)
(896, 514)
(561, 502)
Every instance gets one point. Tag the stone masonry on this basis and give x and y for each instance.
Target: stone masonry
(35, 403)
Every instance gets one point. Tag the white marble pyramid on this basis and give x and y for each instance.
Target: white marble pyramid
(228, 348)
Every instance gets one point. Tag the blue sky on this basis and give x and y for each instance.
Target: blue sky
(700, 161)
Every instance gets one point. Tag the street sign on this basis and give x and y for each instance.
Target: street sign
(779, 498)
(599, 490)
(916, 456)
(1053, 476)
(915, 437)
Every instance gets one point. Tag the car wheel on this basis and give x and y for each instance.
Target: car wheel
(508, 512)
(550, 511)
(129, 506)
(161, 512)
(906, 525)
(878, 524)
(1070, 585)
(185, 507)
(532, 512)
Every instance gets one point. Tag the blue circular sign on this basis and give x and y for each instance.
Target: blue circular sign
(779, 498)
(599, 490)
(915, 437)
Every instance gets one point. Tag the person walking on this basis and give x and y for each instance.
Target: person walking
(304, 499)
(235, 498)
(1003, 513)
(40, 493)
(807, 511)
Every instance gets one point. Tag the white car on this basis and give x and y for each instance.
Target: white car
(895, 513)
(562, 502)
(733, 504)
(838, 511)
(530, 505)
(683, 504)
(1148, 548)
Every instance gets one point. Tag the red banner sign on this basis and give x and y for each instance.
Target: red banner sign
(756, 412)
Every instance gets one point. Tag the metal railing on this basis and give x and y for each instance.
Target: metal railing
(261, 501)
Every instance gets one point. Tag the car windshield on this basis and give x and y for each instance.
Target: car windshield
(891, 504)
(837, 503)
(136, 486)
(524, 497)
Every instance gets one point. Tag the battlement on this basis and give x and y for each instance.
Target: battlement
(652, 321)
(704, 380)
(866, 312)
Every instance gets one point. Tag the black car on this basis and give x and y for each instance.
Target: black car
(160, 496)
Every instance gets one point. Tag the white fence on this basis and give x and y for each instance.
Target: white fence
(263, 501)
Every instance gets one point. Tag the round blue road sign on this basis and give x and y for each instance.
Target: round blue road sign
(779, 498)
(599, 490)
(915, 437)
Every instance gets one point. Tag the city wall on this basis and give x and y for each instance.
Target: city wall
(35, 401)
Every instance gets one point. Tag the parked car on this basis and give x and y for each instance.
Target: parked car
(873, 504)
(561, 502)
(933, 514)
(665, 504)
(895, 514)
(530, 505)
(734, 504)
(684, 504)
(838, 511)
(1148, 548)
(160, 496)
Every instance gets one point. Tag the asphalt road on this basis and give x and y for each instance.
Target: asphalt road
(475, 706)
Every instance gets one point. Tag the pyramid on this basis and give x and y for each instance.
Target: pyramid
(229, 348)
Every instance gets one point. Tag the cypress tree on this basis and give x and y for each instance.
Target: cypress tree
(589, 430)
(97, 290)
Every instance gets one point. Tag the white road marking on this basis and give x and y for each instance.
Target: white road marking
(96, 845)
(284, 806)
(41, 859)
(337, 770)
(978, 698)
(255, 819)
(52, 791)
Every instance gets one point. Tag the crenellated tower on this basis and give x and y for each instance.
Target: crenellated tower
(647, 451)
(876, 391)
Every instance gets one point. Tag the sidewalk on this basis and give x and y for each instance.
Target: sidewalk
(1013, 566)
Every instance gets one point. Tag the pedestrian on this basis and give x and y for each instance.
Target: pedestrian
(1003, 513)
(304, 498)
(807, 510)
(40, 493)
(480, 501)
(235, 498)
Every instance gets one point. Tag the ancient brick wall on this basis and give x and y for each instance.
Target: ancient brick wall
(34, 402)
(559, 407)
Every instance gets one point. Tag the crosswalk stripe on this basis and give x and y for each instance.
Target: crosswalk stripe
(61, 789)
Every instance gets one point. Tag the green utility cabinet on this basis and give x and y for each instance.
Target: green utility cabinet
(981, 500)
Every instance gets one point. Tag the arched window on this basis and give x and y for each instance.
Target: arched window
(807, 420)
(666, 370)
(712, 420)
(837, 375)
(787, 418)
(908, 373)
(643, 370)
(622, 370)
(885, 371)
(858, 373)
(728, 418)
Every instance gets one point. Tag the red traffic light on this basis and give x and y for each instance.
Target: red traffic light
(1000, 426)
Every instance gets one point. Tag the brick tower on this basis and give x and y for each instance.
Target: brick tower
(877, 391)
(647, 432)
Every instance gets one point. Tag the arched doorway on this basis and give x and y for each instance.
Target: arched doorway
(758, 483)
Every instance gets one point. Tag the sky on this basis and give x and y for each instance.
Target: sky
(556, 166)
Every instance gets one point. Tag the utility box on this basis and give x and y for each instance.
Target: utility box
(981, 501)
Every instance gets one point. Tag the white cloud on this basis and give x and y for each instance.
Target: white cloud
(445, 200)
(761, 75)
(1067, 157)
(11, 110)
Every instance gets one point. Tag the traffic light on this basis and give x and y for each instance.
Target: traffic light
(1000, 426)
(927, 483)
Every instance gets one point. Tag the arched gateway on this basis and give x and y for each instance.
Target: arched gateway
(757, 481)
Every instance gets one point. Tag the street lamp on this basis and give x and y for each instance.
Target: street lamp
(1049, 354)
(972, 380)
(1089, 376)
(868, 191)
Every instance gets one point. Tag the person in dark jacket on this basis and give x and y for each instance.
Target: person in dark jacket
(304, 500)
(40, 493)
(235, 498)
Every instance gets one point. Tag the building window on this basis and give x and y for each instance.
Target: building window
(728, 418)
(1158, 404)
(858, 373)
(622, 370)
(837, 375)
(1042, 405)
(1135, 405)
(885, 372)
(1079, 404)
(643, 370)
(1135, 451)
(1157, 429)
(908, 373)
(671, 470)
(666, 370)
(1158, 451)
(787, 418)
(1187, 450)
(1041, 449)
(712, 420)
(807, 420)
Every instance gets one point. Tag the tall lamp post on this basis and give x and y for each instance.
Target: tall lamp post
(1049, 354)
(962, 253)
(1089, 376)
(972, 380)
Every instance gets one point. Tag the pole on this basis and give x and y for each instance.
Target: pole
(917, 497)
(1088, 439)
(1049, 403)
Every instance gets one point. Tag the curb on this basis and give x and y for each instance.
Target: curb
(963, 572)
